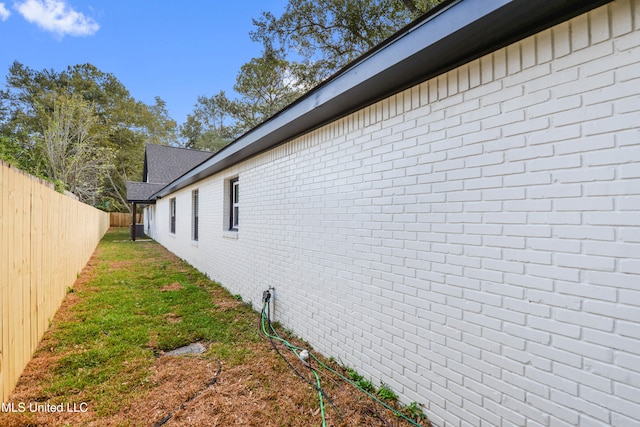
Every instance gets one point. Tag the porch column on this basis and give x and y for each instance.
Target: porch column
(133, 222)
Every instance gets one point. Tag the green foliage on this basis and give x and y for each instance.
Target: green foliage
(59, 186)
(209, 127)
(360, 381)
(322, 36)
(353, 375)
(385, 392)
(328, 34)
(414, 411)
(41, 108)
(24, 157)
(265, 85)
(70, 143)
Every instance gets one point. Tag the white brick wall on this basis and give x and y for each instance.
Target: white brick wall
(474, 241)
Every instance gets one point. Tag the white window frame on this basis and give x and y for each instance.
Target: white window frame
(234, 204)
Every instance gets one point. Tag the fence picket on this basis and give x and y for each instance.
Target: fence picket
(122, 219)
(46, 238)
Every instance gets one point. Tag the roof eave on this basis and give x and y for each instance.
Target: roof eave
(142, 202)
(457, 33)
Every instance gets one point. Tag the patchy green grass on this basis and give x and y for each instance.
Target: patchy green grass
(138, 302)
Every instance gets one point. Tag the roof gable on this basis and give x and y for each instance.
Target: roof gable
(164, 164)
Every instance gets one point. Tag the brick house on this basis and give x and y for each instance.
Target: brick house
(455, 214)
(162, 165)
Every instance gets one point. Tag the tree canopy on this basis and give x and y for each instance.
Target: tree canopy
(310, 41)
(328, 34)
(80, 128)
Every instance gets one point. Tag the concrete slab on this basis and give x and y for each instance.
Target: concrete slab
(193, 348)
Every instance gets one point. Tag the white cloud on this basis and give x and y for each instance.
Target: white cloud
(4, 12)
(58, 17)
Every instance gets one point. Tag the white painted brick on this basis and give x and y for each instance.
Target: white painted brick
(627, 71)
(527, 179)
(484, 183)
(610, 401)
(609, 218)
(561, 39)
(557, 246)
(618, 91)
(594, 83)
(627, 137)
(579, 32)
(527, 230)
(596, 292)
(613, 157)
(560, 162)
(611, 124)
(614, 341)
(587, 114)
(532, 415)
(592, 351)
(553, 326)
(563, 359)
(560, 412)
(621, 250)
(553, 299)
(555, 191)
(631, 266)
(527, 205)
(529, 126)
(622, 16)
(472, 241)
(599, 28)
(586, 262)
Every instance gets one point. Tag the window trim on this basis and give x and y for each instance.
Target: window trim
(234, 204)
(172, 215)
(195, 214)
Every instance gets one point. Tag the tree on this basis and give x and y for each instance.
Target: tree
(70, 145)
(328, 34)
(160, 127)
(209, 127)
(122, 125)
(265, 84)
(321, 36)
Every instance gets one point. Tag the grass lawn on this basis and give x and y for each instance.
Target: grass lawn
(102, 359)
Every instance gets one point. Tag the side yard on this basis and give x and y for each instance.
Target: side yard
(103, 361)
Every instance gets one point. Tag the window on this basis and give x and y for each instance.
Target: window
(172, 215)
(194, 215)
(234, 206)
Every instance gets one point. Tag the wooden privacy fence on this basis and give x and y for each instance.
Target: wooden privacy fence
(46, 238)
(123, 219)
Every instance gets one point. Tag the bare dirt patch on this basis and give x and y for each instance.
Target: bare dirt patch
(173, 318)
(175, 286)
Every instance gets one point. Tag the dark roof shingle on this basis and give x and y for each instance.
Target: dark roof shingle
(162, 165)
(141, 192)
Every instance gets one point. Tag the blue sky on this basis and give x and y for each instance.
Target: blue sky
(174, 50)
